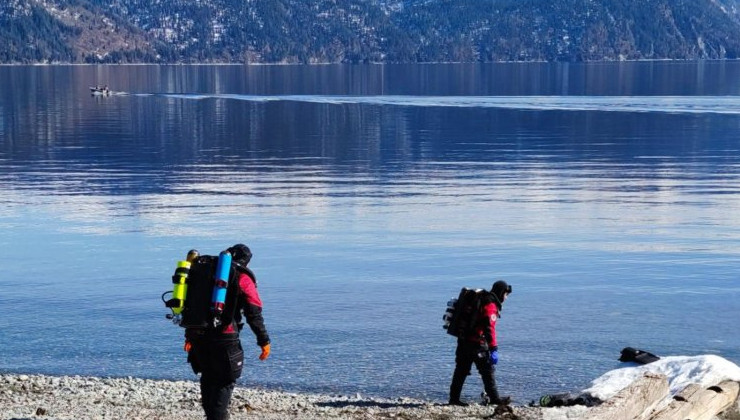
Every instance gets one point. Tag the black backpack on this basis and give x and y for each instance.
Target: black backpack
(197, 312)
(463, 313)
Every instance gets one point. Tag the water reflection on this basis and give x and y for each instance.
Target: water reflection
(602, 191)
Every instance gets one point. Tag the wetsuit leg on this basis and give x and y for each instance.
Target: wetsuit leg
(221, 364)
(463, 362)
(216, 395)
(487, 374)
(207, 392)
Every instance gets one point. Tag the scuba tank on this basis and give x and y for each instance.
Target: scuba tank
(449, 313)
(180, 286)
(221, 280)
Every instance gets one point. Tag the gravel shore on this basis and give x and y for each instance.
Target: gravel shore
(75, 397)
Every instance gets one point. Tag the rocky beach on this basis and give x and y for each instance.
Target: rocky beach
(75, 397)
(31, 396)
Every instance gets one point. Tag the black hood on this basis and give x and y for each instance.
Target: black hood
(498, 290)
(241, 254)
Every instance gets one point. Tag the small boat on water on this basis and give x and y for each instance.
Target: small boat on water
(99, 90)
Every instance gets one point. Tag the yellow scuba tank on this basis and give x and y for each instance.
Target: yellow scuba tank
(179, 280)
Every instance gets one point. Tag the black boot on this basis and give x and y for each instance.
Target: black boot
(457, 403)
(500, 401)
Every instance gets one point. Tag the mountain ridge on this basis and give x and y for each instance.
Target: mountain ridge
(357, 31)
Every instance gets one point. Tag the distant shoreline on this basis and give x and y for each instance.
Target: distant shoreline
(644, 60)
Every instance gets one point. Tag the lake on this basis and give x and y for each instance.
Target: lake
(607, 194)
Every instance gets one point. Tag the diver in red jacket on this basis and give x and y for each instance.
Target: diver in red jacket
(481, 348)
(217, 353)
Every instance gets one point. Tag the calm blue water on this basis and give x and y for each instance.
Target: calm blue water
(607, 194)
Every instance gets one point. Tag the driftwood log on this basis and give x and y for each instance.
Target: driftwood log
(639, 400)
(630, 403)
(697, 403)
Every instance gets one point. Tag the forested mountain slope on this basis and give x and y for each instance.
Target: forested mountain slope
(331, 31)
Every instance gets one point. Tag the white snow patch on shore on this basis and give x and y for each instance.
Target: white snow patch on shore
(705, 370)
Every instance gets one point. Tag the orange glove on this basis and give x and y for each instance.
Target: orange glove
(265, 351)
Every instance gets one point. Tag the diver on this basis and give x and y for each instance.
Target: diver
(481, 347)
(216, 352)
